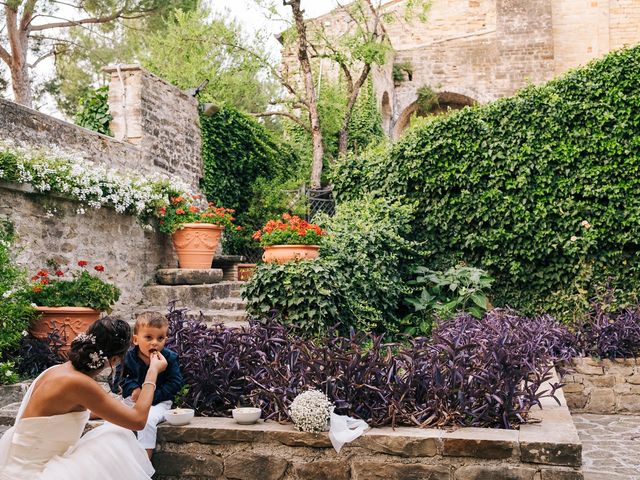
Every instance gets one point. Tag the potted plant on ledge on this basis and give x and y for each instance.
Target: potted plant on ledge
(195, 230)
(289, 239)
(69, 302)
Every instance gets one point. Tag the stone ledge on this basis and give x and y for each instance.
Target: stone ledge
(188, 276)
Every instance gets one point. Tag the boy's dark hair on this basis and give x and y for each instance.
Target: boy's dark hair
(150, 319)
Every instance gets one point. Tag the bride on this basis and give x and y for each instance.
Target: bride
(45, 442)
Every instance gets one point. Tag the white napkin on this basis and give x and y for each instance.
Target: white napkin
(344, 429)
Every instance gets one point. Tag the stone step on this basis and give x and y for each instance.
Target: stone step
(231, 318)
(188, 276)
(231, 303)
(190, 296)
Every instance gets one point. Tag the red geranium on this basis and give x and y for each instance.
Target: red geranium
(291, 230)
(99, 268)
(82, 263)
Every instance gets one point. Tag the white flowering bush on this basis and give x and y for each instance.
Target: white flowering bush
(310, 411)
(92, 185)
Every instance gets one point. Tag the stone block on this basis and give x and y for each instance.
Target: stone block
(576, 401)
(481, 443)
(404, 442)
(251, 466)
(322, 470)
(628, 404)
(552, 474)
(634, 379)
(398, 471)
(601, 400)
(188, 276)
(494, 472)
(588, 366)
(604, 381)
(573, 388)
(178, 464)
(301, 439)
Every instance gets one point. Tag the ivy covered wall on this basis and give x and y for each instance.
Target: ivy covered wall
(541, 189)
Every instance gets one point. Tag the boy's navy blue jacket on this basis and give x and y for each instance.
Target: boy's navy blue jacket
(168, 383)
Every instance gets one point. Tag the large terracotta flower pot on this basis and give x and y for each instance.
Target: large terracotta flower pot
(286, 253)
(67, 322)
(196, 244)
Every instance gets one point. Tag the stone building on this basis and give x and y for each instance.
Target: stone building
(472, 51)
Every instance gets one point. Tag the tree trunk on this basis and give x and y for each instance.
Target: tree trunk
(21, 84)
(312, 100)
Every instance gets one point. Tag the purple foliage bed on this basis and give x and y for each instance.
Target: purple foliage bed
(483, 373)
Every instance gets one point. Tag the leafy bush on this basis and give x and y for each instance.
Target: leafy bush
(80, 289)
(484, 373)
(442, 294)
(606, 334)
(93, 111)
(15, 311)
(530, 188)
(308, 295)
(359, 279)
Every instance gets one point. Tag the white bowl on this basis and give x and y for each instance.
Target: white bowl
(179, 416)
(246, 415)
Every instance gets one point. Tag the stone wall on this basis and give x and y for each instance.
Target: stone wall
(481, 50)
(30, 127)
(50, 228)
(159, 118)
(218, 448)
(603, 386)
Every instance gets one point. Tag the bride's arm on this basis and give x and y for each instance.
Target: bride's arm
(95, 399)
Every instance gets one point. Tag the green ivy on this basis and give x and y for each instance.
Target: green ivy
(93, 111)
(238, 155)
(15, 311)
(542, 190)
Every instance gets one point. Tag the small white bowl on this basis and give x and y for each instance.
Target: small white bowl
(246, 415)
(179, 416)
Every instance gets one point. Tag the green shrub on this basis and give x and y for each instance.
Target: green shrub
(93, 111)
(358, 281)
(307, 294)
(15, 311)
(540, 189)
(440, 295)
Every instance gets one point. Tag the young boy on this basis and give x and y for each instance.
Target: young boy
(150, 335)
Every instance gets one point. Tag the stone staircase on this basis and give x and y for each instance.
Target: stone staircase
(200, 291)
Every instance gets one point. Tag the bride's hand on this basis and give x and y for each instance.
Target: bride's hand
(157, 362)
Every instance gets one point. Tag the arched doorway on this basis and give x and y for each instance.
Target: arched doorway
(446, 102)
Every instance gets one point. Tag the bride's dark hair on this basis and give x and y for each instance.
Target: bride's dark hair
(105, 338)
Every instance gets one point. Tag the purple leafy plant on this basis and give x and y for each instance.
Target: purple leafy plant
(606, 334)
(475, 372)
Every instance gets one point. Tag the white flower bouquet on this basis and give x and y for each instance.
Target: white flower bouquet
(310, 411)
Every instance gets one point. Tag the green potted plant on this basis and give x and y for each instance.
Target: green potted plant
(195, 230)
(291, 238)
(68, 302)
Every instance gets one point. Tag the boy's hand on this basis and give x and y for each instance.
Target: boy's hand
(135, 394)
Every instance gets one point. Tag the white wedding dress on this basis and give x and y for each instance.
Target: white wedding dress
(53, 448)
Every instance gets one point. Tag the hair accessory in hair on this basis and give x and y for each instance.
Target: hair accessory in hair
(84, 338)
(97, 360)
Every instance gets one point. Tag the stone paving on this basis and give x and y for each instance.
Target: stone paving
(610, 446)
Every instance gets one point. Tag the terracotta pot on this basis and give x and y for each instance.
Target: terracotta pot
(68, 322)
(286, 253)
(196, 244)
(245, 270)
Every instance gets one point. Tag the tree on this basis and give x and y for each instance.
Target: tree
(194, 46)
(81, 54)
(26, 35)
(353, 51)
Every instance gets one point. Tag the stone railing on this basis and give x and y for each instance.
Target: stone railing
(603, 386)
(218, 448)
